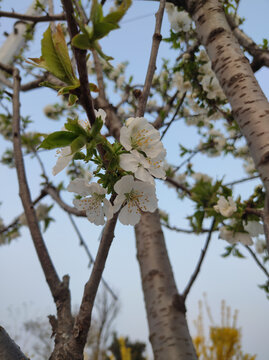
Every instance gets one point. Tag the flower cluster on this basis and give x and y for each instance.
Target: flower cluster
(179, 20)
(141, 159)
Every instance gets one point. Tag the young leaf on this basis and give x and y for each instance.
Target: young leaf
(62, 52)
(115, 16)
(82, 41)
(78, 143)
(73, 126)
(103, 28)
(96, 12)
(51, 57)
(58, 139)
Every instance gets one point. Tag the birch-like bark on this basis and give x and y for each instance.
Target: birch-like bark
(169, 334)
(249, 104)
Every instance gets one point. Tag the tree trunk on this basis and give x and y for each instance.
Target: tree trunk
(169, 334)
(249, 104)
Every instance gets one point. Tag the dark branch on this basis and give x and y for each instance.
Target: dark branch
(33, 18)
(200, 261)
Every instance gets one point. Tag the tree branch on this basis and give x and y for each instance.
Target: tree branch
(59, 290)
(200, 261)
(33, 18)
(157, 37)
(9, 350)
(91, 258)
(257, 260)
(83, 320)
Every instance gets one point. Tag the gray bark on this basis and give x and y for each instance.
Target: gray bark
(169, 335)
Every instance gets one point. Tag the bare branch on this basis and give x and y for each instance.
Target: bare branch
(83, 321)
(257, 261)
(164, 112)
(59, 290)
(200, 261)
(91, 258)
(54, 193)
(175, 114)
(157, 37)
(33, 18)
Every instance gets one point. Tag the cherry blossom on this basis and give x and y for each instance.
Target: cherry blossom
(144, 168)
(139, 134)
(135, 197)
(96, 206)
(235, 237)
(225, 207)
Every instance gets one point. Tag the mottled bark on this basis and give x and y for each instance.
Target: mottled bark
(9, 350)
(165, 308)
(249, 104)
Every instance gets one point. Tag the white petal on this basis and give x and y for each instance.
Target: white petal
(128, 162)
(79, 186)
(95, 188)
(100, 113)
(61, 163)
(118, 202)
(124, 185)
(129, 215)
(125, 139)
(96, 215)
(108, 209)
(144, 175)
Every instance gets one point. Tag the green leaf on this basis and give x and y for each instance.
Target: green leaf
(78, 143)
(72, 99)
(73, 126)
(103, 28)
(58, 139)
(93, 87)
(62, 52)
(51, 57)
(98, 48)
(115, 16)
(82, 41)
(96, 12)
(66, 89)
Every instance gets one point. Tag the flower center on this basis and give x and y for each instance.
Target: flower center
(140, 139)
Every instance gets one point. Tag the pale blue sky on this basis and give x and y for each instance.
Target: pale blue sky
(230, 279)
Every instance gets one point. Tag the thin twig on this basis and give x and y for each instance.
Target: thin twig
(175, 114)
(157, 37)
(186, 231)
(32, 17)
(163, 112)
(242, 180)
(178, 186)
(257, 260)
(200, 261)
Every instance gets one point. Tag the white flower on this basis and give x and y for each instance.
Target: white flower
(139, 134)
(96, 206)
(234, 238)
(179, 20)
(100, 113)
(143, 167)
(201, 177)
(135, 196)
(254, 228)
(260, 246)
(224, 207)
(64, 157)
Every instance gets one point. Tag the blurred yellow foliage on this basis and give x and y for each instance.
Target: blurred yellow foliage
(224, 341)
(125, 351)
